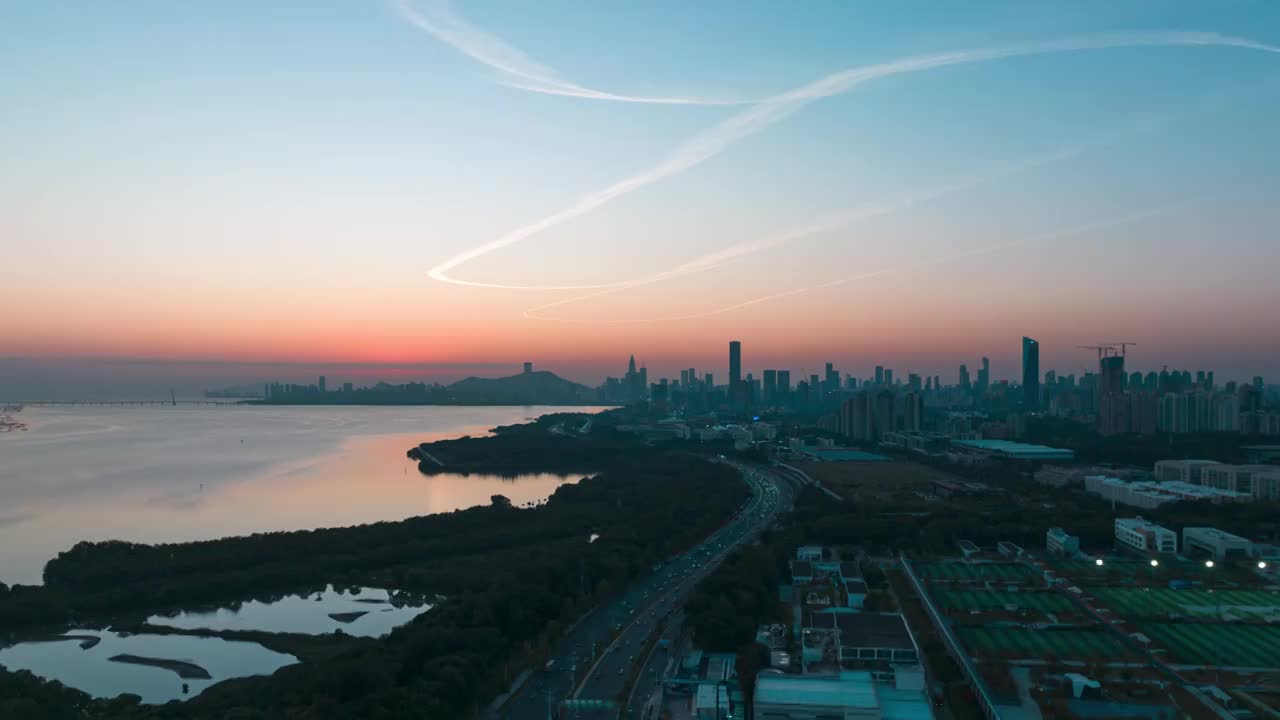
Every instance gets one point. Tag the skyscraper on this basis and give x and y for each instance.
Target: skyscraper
(1030, 374)
(912, 412)
(965, 384)
(322, 383)
(879, 375)
(770, 389)
(735, 373)
(783, 390)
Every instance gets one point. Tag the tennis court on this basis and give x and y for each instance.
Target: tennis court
(1160, 602)
(1217, 644)
(1089, 645)
(1046, 602)
(974, 571)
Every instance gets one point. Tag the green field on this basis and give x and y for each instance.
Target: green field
(979, 571)
(1216, 644)
(1060, 644)
(1046, 602)
(1159, 602)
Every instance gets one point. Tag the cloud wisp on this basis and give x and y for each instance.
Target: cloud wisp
(1059, 234)
(517, 68)
(721, 136)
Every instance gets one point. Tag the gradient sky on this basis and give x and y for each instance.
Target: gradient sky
(234, 182)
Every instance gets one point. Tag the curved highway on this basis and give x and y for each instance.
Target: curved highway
(611, 645)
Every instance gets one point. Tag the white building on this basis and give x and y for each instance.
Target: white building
(1258, 481)
(710, 699)
(763, 431)
(1187, 471)
(1146, 537)
(809, 553)
(1214, 542)
(1057, 540)
(850, 695)
(1148, 495)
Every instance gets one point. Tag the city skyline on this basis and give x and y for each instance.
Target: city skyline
(1102, 172)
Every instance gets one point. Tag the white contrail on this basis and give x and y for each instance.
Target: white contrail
(711, 142)
(521, 71)
(1046, 237)
(823, 224)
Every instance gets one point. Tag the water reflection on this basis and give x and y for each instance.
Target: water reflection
(174, 474)
(90, 668)
(365, 612)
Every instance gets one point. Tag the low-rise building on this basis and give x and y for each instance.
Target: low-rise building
(1058, 541)
(869, 641)
(711, 702)
(849, 695)
(1014, 450)
(1187, 471)
(1148, 495)
(809, 553)
(1214, 543)
(1008, 549)
(1236, 478)
(1145, 537)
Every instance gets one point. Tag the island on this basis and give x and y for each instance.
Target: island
(185, 670)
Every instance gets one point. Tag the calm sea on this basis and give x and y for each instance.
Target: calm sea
(166, 474)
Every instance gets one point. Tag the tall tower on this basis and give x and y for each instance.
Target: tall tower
(735, 373)
(1030, 374)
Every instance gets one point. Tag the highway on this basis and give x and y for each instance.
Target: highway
(607, 647)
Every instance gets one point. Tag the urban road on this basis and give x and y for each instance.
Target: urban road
(597, 661)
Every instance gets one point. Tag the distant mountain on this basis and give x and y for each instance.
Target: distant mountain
(531, 388)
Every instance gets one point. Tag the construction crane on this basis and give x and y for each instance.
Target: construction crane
(1109, 349)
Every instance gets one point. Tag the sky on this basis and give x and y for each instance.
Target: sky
(425, 189)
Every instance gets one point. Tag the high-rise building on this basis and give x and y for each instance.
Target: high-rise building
(888, 377)
(783, 390)
(913, 381)
(965, 384)
(984, 377)
(528, 368)
(735, 373)
(322, 383)
(913, 412)
(770, 390)
(1111, 378)
(1030, 374)
(879, 375)
(884, 413)
(832, 379)
(855, 417)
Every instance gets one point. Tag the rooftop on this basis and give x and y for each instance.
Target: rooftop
(849, 689)
(844, 455)
(1017, 450)
(865, 629)
(1214, 533)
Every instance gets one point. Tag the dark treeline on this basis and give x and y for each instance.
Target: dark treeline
(513, 579)
(529, 449)
(1140, 450)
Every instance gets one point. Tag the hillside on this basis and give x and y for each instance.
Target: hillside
(533, 388)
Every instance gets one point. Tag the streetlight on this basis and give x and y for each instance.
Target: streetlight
(1262, 565)
(1155, 562)
(1208, 563)
(1098, 562)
